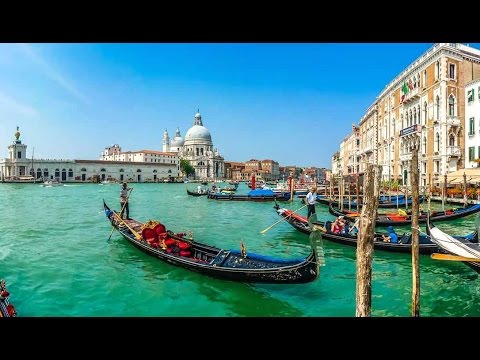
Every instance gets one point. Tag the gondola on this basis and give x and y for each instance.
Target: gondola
(6, 309)
(195, 193)
(384, 204)
(176, 249)
(456, 245)
(398, 219)
(426, 246)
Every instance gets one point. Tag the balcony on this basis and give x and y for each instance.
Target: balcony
(410, 130)
(406, 157)
(453, 121)
(454, 151)
(412, 95)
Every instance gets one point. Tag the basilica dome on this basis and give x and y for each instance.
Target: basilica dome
(198, 132)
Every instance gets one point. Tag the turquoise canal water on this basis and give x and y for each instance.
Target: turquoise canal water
(56, 259)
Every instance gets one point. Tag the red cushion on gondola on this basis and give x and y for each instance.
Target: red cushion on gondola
(163, 236)
(185, 253)
(183, 245)
(160, 228)
(170, 242)
(5, 293)
(10, 309)
(168, 250)
(148, 234)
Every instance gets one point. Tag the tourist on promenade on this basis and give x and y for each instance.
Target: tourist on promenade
(124, 201)
(311, 199)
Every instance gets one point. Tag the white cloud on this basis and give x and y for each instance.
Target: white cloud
(52, 73)
(10, 104)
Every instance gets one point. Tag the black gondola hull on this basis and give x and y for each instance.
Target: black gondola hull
(228, 265)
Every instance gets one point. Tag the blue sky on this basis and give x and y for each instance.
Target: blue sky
(292, 103)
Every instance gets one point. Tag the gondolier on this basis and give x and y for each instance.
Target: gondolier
(124, 201)
(311, 198)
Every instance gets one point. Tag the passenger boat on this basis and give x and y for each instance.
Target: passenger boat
(253, 195)
(457, 246)
(236, 265)
(6, 309)
(400, 219)
(426, 246)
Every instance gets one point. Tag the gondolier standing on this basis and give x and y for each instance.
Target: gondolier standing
(311, 198)
(124, 200)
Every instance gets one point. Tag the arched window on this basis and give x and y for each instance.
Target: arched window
(410, 122)
(57, 173)
(138, 170)
(154, 171)
(70, 173)
(424, 144)
(451, 106)
(451, 140)
(39, 173)
(414, 115)
(437, 104)
(103, 170)
(401, 120)
(425, 112)
(169, 171)
(121, 170)
(437, 70)
(437, 142)
(83, 169)
(45, 172)
(419, 117)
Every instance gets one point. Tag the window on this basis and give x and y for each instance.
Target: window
(437, 70)
(410, 122)
(470, 95)
(57, 173)
(471, 127)
(414, 115)
(438, 107)
(451, 71)
(424, 167)
(437, 142)
(70, 173)
(471, 153)
(424, 78)
(437, 166)
(19, 155)
(121, 170)
(451, 106)
(424, 144)
(425, 112)
(451, 140)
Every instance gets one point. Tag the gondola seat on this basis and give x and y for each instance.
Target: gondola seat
(149, 235)
(328, 226)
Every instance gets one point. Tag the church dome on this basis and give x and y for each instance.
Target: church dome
(198, 132)
(177, 141)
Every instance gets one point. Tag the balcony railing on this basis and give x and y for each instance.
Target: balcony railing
(453, 121)
(410, 130)
(412, 95)
(454, 151)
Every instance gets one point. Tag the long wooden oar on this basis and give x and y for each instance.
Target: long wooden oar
(279, 221)
(136, 234)
(121, 212)
(438, 256)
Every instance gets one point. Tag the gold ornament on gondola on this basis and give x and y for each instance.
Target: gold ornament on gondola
(243, 249)
(150, 224)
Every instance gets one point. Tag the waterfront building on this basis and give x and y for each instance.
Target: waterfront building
(197, 148)
(235, 171)
(472, 125)
(422, 108)
(17, 166)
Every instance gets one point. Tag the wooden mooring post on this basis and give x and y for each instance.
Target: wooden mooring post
(371, 192)
(415, 250)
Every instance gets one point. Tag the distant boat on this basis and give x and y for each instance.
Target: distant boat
(54, 182)
(108, 182)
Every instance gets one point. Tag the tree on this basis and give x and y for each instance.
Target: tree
(186, 167)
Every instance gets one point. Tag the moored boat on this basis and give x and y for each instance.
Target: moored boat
(236, 265)
(196, 193)
(426, 246)
(406, 219)
(457, 246)
(253, 195)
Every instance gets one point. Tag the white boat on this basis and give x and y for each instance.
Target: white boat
(108, 182)
(457, 246)
(54, 182)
